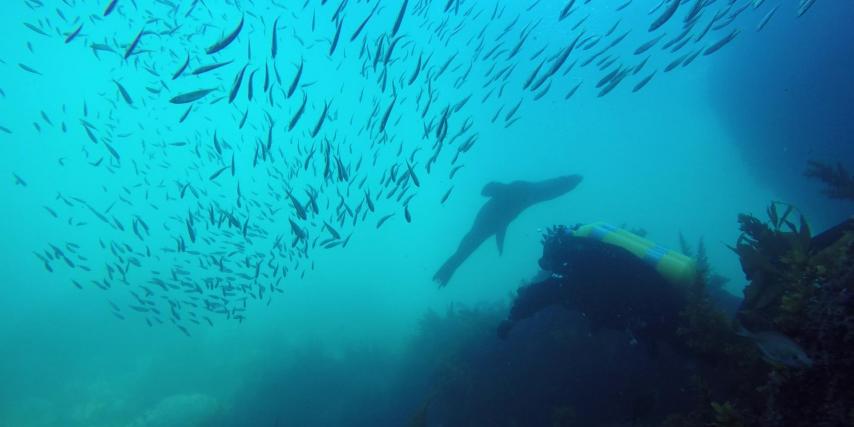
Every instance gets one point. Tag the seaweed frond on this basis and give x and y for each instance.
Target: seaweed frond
(838, 183)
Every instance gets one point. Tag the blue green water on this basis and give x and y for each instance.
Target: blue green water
(334, 344)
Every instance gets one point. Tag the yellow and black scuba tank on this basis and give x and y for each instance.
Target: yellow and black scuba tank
(674, 266)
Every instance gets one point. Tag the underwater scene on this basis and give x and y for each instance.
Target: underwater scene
(427, 213)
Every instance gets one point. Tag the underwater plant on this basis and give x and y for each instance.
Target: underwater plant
(704, 328)
(799, 288)
(419, 418)
(801, 285)
(838, 183)
(563, 416)
(726, 415)
(729, 366)
(798, 284)
(776, 260)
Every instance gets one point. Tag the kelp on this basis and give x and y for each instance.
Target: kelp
(706, 331)
(703, 328)
(726, 415)
(710, 412)
(801, 286)
(776, 259)
(838, 183)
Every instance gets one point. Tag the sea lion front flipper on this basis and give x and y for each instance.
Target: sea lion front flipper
(499, 239)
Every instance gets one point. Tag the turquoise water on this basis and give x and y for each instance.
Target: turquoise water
(333, 346)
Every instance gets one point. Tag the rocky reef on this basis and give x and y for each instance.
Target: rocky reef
(800, 286)
(779, 357)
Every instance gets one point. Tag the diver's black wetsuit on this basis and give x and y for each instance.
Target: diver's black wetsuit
(611, 286)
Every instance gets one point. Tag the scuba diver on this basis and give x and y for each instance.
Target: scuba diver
(617, 279)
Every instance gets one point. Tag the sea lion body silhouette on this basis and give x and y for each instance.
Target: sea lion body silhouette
(506, 202)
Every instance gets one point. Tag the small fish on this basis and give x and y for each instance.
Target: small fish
(721, 43)
(190, 232)
(124, 93)
(210, 67)
(643, 82)
(193, 96)
(335, 38)
(217, 147)
(36, 29)
(417, 70)
(183, 67)
(133, 44)
(110, 7)
(778, 349)
(316, 129)
(275, 47)
(332, 231)
(805, 6)
(186, 113)
(447, 194)
(46, 118)
(648, 45)
(218, 173)
(243, 120)
(250, 86)
(399, 19)
(365, 22)
(29, 69)
(293, 86)
(266, 77)
(368, 201)
(572, 91)
(767, 18)
(235, 86)
(297, 206)
(183, 330)
(19, 180)
(298, 113)
(112, 151)
(412, 175)
(383, 220)
(387, 114)
(225, 41)
(73, 34)
(664, 17)
(297, 230)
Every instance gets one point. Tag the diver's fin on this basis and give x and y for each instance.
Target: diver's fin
(492, 189)
(499, 239)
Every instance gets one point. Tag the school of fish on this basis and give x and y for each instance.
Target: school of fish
(278, 169)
